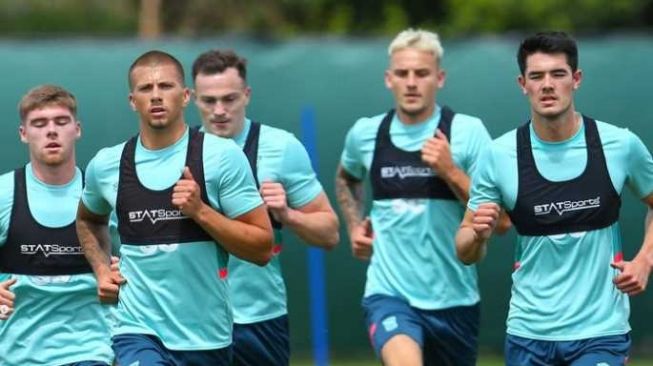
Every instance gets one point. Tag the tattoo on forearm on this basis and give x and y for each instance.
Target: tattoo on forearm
(350, 195)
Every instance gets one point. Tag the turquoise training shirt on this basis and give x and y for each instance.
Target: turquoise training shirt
(562, 287)
(176, 292)
(414, 251)
(57, 319)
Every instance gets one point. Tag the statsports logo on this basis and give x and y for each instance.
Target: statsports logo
(156, 215)
(50, 249)
(567, 206)
(406, 171)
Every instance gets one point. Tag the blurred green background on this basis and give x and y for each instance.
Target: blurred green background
(331, 55)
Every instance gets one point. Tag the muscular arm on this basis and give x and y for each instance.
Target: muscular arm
(475, 231)
(93, 233)
(248, 236)
(634, 275)
(350, 196)
(315, 222)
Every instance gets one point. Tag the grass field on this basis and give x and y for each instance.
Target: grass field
(483, 361)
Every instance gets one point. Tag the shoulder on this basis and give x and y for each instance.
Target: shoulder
(214, 144)
(273, 137)
(7, 183)
(505, 144)
(108, 154)
(612, 133)
(367, 125)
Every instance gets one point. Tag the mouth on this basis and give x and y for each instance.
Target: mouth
(157, 112)
(53, 146)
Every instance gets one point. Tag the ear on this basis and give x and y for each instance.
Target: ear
(522, 83)
(21, 133)
(248, 95)
(388, 79)
(442, 77)
(78, 125)
(186, 96)
(577, 76)
(131, 102)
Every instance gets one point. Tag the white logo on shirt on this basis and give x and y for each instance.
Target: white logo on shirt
(151, 249)
(565, 206)
(50, 249)
(415, 206)
(46, 280)
(406, 171)
(156, 215)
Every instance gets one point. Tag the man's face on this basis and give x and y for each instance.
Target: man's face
(221, 100)
(50, 133)
(549, 83)
(414, 77)
(158, 95)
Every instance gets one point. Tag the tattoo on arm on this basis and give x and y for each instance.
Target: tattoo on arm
(350, 195)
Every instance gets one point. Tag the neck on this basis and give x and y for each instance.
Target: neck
(156, 139)
(559, 128)
(415, 118)
(54, 174)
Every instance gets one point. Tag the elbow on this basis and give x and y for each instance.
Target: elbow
(263, 259)
(503, 226)
(332, 241)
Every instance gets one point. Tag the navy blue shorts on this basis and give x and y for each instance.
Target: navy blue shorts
(262, 343)
(600, 351)
(447, 336)
(88, 363)
(147, 350)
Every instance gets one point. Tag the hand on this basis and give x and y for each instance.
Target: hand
(485, 220)
(361, 238)
(186, 195)
(437, 154)
(115, 264)
(633, 277)
(274, 196)
(6, 299)
(108, 284)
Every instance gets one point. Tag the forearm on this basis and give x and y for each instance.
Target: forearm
(248, 241)
(645, 253)
(94, 238)
(469, 248)
(316, 228)
(350, 196)
(459, 183)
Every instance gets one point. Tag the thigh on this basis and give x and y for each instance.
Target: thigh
(451, 335)
(262, 343)
(387, 317)
(213, 357)
(601, 351)
(521, 351)
(139, 349)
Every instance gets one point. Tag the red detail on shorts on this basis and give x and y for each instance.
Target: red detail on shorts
(619, 257)
(516, 266)
(276, 249)
(223, 272)
(372, 330)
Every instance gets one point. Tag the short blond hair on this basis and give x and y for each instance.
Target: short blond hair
(418, 39)
(44, 96)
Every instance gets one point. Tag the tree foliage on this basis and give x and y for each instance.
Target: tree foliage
(283, 18)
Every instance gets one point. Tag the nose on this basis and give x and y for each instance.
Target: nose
(547, 82)
(51, 128)
(156, 94)
(218, 109)
(411, 80)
